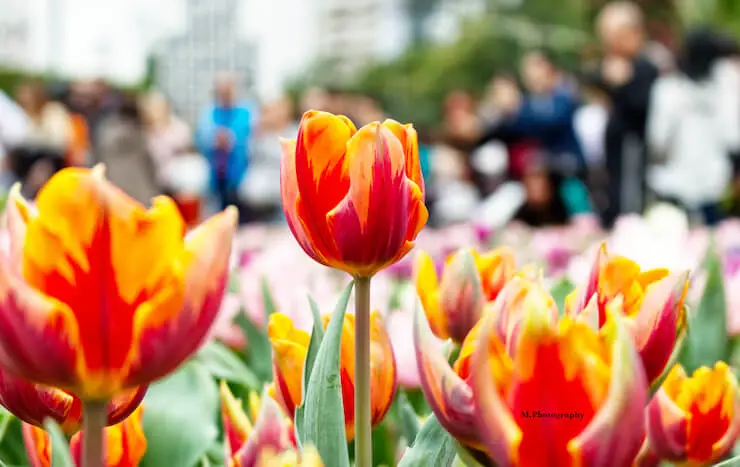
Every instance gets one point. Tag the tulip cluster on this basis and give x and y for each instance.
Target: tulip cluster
(532, 387)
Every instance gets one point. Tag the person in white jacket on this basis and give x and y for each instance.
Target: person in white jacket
(694, 126)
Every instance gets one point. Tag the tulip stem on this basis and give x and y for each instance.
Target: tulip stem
(363, 422)
(94, 418)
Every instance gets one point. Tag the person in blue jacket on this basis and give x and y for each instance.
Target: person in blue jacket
(222, 137)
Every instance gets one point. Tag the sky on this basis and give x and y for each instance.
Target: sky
(112, 37)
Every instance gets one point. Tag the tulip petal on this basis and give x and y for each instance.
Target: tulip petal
(236, 424)
(583, 295)
(666, 427)
(657, 321)
(379, 204)
(383, 369)
(461, 294)
(449, 397)
(427, 288)
(166, 340)
(615, 434)
(291, 200)
(406, 134)
(271, 431)
(38, 445)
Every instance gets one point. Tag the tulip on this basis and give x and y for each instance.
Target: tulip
(469, 280)
(125, 443)
(653, 302)
(99, 294)
(33, 403)
(290, 346)
(695, 420)
(354, 200)
(447, 390)
(309, 458)
(248, 444)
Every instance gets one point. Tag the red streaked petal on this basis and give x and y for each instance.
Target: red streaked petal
(236, 424)
(164, 342)
(666, 427)
(656, 322)
(271, 431)
(290, 201)
(18, 213)
(449, 397)
(409, 139)
(495, 424)
(591, 287)
(33, 404)
(370, 224)
(461, 294)
(615, 434)
(38, 334)
(38, 445)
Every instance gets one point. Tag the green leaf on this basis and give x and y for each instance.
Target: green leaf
(560, 291)
(433, 447)
(180, 417)
(323, 417)
(267, 302)
(317, 335)
(224, 364)
(234, 282)
(408, 418)
(707, 342)
(60, 456)
(258, 352)
(12, 448)
(735, 461)
(5, 420)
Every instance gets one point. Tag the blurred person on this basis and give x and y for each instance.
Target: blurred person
(13, 128)
(590, 122)
(42, 151)
(261, 187)
(222, 136)
(314, 98)
(339, 101)
(542, 207)
(167, 135)
(122, 147)
(628, 78)
(694, 126)
(366, 109)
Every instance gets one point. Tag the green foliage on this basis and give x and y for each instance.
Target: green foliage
(559, 293)
(432, 447)
(258, 350)
(323, 409)
(224, 364)
(60, 456)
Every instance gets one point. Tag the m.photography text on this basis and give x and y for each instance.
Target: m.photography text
(572, 415)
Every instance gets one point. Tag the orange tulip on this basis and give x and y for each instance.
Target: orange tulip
(267, 431)
(125, 443)
(99, 294)
(354, 200)
(530, 389)
(653, 302)
(468, 282)
(695, 420)
(290, 346)
(33, 403)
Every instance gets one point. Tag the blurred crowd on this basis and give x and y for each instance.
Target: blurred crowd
(636, 124)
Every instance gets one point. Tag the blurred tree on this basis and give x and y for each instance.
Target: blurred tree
(418, 12)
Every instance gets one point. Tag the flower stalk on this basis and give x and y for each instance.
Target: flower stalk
(363, 419)
(93, 424)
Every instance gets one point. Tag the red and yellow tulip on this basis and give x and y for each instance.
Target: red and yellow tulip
(99, 294)
(34, 403)
(469, 281)
(354, 200)
(266, 434)
(653, 302)
(308, 458)
(695, 420)
(290, 347)
(534, 390)
(125, 443)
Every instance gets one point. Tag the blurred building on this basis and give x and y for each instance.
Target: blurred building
(354, 33)
(187, 64)
(24, 29)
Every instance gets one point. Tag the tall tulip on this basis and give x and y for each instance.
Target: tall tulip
(124, 443)
(34, 403)
(535, 390)
(695, 420)
(469, 280)
(653, 303)
(290, 347)
(99, 294)
(354, 201)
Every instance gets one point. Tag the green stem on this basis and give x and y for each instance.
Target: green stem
(363, 421)
(94, 418)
